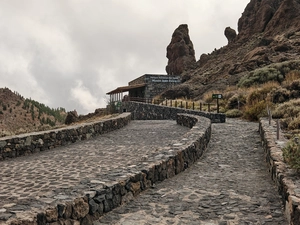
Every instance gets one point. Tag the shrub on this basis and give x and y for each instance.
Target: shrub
(235, 101)
(280, 95)
(260, 76)
(294, 124)
(287, 109)
(291, 154)
(233, 113)
(255, 111)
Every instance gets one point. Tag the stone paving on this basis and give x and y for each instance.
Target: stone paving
(229, 185)
(38, 180)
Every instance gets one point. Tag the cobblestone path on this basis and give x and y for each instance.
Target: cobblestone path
(229, 185)
(40, 179)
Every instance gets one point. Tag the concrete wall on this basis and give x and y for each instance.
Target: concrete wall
(143, 111)
(286, 179)
(25, 144)
(84, 210)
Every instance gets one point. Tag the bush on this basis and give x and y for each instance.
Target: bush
(280, 95)
(255, 111)
(234, 113)
(260, 76)
(287, 109)
(291, 154)
(235, 101)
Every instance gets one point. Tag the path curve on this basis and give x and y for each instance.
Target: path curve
(229, 185)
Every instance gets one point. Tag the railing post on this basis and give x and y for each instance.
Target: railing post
(181, 104)
(193, 105)
(186, 104)
(171, 103)
(208, 107)
(277, 130)
(200, 106)
(175, 103)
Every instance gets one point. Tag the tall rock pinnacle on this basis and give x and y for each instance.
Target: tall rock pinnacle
(180, 52)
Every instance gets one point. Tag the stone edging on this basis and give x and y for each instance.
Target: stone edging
(97, 201)
(282, 175)
(25, 144)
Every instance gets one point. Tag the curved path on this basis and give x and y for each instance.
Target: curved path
(31, 182)
(230, 185)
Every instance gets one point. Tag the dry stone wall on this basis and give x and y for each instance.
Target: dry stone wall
(26, 144)
(103, 198)
(143, 111)
(286, 179)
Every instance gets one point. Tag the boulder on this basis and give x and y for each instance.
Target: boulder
(72, 117)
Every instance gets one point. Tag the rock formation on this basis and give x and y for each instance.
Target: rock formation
(269, 34)
(180, 52)
(230, 34)
(72, 117)
(269, 16)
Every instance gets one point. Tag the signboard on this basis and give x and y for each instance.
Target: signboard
(217, 96)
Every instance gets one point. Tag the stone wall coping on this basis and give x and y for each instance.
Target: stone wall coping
(28, 143)
(94, 202)
(285, 178)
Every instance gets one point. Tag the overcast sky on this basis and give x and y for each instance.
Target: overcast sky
(69, 53)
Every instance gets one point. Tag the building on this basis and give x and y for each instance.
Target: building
(145, 88)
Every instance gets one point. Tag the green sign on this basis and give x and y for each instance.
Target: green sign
(217, 96)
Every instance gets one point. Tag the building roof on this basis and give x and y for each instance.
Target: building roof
(125, 88)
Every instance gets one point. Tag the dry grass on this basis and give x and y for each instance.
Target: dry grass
(291, 76)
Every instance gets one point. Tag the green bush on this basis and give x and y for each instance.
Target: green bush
(291, 154)
(260, 76)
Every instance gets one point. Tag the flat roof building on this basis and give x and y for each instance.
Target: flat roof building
(145, 88)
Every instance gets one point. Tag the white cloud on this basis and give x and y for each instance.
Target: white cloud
(84, 98)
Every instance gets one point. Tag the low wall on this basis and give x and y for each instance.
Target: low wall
(285, 178)
(25, 144)
(165, 164)
(143, 111)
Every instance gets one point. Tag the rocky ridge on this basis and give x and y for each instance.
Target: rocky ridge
(269, 33)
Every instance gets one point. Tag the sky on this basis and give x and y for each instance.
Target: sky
(70, 53)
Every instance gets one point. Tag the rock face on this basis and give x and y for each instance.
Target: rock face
(269, 34)
(269, 16)
(230, 34)
(180, 52)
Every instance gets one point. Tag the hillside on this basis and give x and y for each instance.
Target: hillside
(268, 36)
(20, 115)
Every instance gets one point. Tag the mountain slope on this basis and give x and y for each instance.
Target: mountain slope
(269, 33)
(20, 115)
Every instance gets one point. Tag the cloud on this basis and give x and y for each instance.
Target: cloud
(70, 53)
(84, 98)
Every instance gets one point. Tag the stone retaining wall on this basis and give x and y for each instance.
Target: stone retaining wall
(25, 144)
(105, 197)
(286, 179)
(143, 111)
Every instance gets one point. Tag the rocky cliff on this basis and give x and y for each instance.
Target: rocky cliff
(269, 33)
